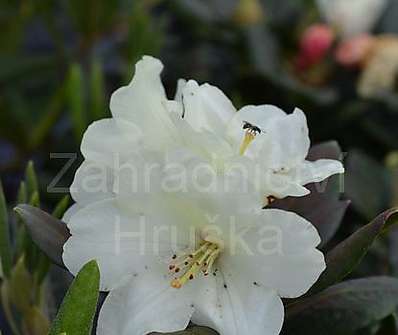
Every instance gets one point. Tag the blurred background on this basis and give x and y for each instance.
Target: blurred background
(335, 59)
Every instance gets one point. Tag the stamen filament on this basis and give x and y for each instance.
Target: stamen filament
(212, 258)
(249, 137)
(200, 260)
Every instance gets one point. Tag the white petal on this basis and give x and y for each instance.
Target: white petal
(206, 144)
(285, 143)
(232, 307)
(145, 304)
(282, 253)
(180, 87)
(72, 210)
(206, 107)
(93, 182)
(313, 172)
(282, 185)
(110, 141)
(258, 116)
(122, 242)
(143, 102)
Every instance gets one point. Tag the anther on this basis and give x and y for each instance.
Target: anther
(176, 283)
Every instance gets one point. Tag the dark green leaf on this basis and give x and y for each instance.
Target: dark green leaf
(41, 130)
(20, 286)
(76, 314)
(61, 207)
(32, 185)
(98, 106)
(344, 308)
(5, 245)
(367, 184)
(75, 100)
(22, 193)
(34, 322)
(389, 326)
(48, 233)
(344, 258)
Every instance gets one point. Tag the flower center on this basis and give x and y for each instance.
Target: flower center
(190, 265)
(251, 132)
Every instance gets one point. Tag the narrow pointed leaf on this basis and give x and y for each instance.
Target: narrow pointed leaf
(343, 309)
(49, 233)
(5, 246)
(22, 196)
(61, 207)
(42, 129)
(21, 286)
(77, 311)
(97, 91)
(344, 258)
(35, 323)
(75, 100)
(32, 185)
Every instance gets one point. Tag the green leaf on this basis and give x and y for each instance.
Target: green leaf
(22, 196)
(61, 207)
(43, 127)
(76, 314)
(389, 326)
(97, 96)
(344, 308)
(32, 185)
(344, 258)
(5, 245)
(20, 286)
(49, 233)
(367, 184)
(34, 322)
(6, 305)
(75, 100)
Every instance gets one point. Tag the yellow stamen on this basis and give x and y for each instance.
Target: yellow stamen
(249, 137)
(200, 260)
(212, 258)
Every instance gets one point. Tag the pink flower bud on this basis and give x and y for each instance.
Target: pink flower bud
(315, 43)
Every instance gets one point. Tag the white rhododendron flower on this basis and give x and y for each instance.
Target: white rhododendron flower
(199, 127)
(171, 250)
(270, 144)
(173, 258)
(352, 17)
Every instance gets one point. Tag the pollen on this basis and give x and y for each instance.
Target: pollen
(193, 264)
